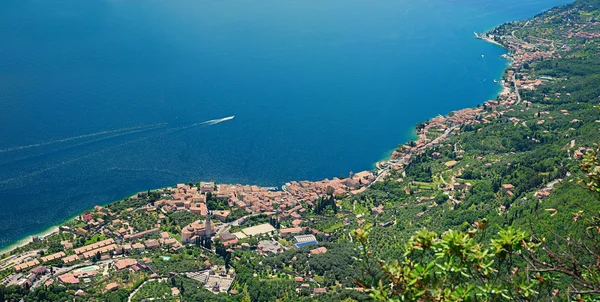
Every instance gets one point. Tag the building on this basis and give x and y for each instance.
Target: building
(228, 238)
(270, 247)
(68, 278)
(197, 229)
(26, 265)
(139, 235)
(138, 246)
(151, 244)
(39, 270)
(93, 246)
(295, 230)
(111, 287)
(69, 259)
(222, 215)
(124, 263)
(304, 240)
(199, 209)
(319, 250)
(207, 187)
(53, 256)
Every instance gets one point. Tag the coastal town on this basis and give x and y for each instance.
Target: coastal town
(106, 241)
(217, 239)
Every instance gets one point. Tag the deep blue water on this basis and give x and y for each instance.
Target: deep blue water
(318, 88)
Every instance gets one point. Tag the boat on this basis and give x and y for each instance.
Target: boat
(477, 35)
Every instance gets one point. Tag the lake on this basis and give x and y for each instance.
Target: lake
(101, 99)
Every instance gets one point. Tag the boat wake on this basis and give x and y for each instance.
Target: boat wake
(68, 139)
(216, 121)
(118, 132)
(48, 166)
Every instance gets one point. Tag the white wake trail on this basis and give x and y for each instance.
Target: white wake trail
(216, 121)
(62, 140)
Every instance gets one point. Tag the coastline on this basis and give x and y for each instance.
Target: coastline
(387, 156)
(29, 239)
(490, 40)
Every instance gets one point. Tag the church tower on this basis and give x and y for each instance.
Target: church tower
(207, 225)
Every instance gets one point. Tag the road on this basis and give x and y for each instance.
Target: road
(383, 173)
(141, 285)
(137, 289)
(516, 90)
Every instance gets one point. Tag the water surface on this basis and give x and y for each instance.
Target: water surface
(100, 99)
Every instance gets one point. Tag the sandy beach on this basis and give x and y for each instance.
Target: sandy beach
(28, 240)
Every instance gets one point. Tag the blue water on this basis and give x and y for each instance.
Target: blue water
(101, 99)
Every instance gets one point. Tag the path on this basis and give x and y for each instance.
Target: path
(516, 90)
(382, 173)
(138, 288)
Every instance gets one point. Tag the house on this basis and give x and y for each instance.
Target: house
(111, 286)
(69, 259)
(54, 256)
(138, 246)
(151, 244)
(207, 187)
(68, 278)
(175, 291)
(508, 187)
(26, 265)
(199, 209)
(299, 279)
(222, 215)
(228, 238)
(87, 217)
(40, 270)
(124, 263)
(319, 290)
(542, 194)
(139, 235)
(67, 244)
(295, 230)
(351, 183)
(319, 250)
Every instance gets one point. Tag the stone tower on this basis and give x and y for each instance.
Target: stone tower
(207, 225)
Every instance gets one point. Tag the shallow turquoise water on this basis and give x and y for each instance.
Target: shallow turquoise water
(100, 99)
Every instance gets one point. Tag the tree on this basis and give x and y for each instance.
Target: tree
(246, 295)
(512, 265)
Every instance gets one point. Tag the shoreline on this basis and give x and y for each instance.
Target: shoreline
(29, 239)
(387, 156)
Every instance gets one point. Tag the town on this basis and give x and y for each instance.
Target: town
(93, 251)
